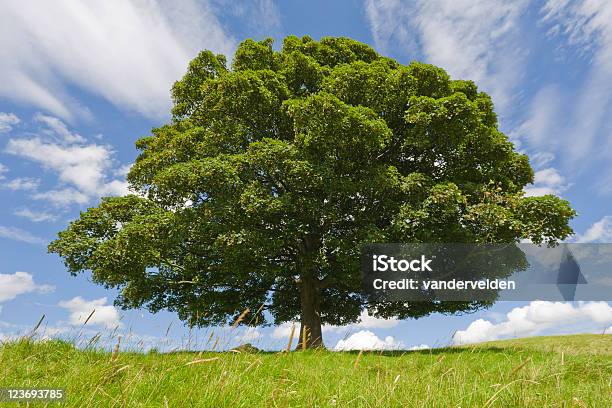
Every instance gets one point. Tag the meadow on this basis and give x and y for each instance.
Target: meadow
(560, 371)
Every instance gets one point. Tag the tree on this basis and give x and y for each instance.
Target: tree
(272, 174)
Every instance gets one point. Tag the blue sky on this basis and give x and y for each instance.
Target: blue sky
(82, 82)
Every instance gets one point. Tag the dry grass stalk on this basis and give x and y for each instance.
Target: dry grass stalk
(523, 364)
(358, 358)
(291, 338)
(240, 318)
(304, 338)
(116, 349)
(201, 360)
(562, 358)
(216, 342)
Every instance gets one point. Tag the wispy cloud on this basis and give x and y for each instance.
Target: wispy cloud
(17, 234)
(544, 118)
(127, 52)
(261, 16)
(585, 27)
(478, 40)
(23, 183)
(35, 216)
(3, 169)
(56, 128)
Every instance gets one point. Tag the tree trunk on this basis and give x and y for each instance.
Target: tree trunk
(310, 325)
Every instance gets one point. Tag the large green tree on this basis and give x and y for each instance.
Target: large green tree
(273, 173)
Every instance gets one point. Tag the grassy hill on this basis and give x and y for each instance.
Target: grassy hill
(561, 371)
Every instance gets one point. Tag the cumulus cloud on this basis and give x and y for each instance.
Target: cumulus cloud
(600, 231)
(128, 52)
(366, 340)
(249, 335)
(81, 166)
(547, 181)
(419, 347)
(18, 283)
(84, 170)
(7, 121)
(80, 309)
(17, 234)
(370, 322)
(478, 40)
(283, 331)
(538, 316)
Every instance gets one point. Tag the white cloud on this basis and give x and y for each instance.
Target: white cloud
(547, 181)
(80, 309)
(586, 26)
(601, 231)
(128, 52)
(63, 198)
(59, 128)
(478, 40)
(261, 16)
(17, 234)
(537, 317)
(249, 335)
(3, 169)
(7, 121)
(35, 216)
(23, 183)
(545, 117)
(366, 340)
(370, 322)
(283, 331)
(18, 283)
(123, 170)
(540, 159)
(366, 321)
(84, 168)
(384, 18)
(419, 347)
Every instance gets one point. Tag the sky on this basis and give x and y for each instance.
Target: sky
(82, 81)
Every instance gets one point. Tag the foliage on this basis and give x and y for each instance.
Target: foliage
(272, 174)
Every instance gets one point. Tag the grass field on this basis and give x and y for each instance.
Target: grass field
(562, 371)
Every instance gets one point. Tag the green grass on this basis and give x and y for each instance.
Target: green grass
(563, 371)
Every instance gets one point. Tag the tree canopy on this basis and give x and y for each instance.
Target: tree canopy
(275, 171)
